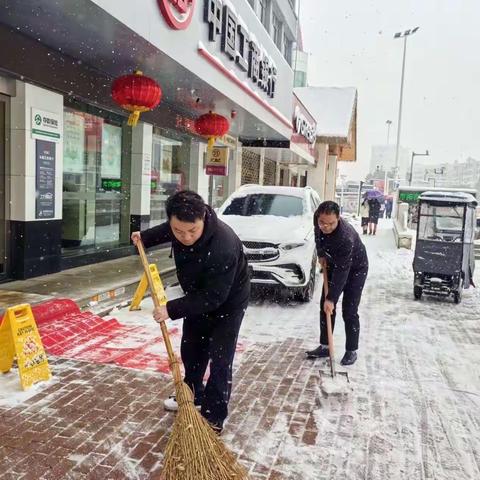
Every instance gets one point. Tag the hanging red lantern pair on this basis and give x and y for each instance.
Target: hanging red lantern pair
(212, 125)
(136, 93)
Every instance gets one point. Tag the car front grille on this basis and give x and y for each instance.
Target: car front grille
(256, 245)
(261, 251)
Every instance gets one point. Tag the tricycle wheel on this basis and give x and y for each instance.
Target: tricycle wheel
(417, 292)
(457, 296)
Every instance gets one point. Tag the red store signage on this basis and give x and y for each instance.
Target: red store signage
(177, 13)
(304, 127)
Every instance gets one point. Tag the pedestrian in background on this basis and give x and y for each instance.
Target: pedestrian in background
(341, 251)
(389, 207)
(364, 214)
(374, 215)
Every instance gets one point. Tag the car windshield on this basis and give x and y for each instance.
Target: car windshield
(265, 204)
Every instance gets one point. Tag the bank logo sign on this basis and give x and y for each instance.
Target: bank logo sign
(46, 125)
(177, 13)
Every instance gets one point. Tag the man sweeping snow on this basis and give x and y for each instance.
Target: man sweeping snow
(343, 254)
(213, 273)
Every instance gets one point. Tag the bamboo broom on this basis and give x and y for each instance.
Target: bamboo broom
(194, 451)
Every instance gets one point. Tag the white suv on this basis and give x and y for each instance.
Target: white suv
(275, 225)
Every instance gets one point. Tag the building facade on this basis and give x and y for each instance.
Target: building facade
(76, 179)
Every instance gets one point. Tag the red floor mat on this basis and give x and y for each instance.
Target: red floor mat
(70, 333)
(67, 332)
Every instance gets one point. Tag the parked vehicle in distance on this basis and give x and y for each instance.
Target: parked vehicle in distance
(444, 260)
(275, 225)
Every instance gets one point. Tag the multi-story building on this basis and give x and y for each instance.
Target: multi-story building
(76, 184)
(452, 175)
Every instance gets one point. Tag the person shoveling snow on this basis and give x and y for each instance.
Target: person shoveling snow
(342, 254)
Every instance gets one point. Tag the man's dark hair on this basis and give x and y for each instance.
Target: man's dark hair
(328, 207)
(187, 206)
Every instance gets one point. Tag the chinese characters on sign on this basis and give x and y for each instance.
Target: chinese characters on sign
(240, 46)
(19, 338)
(45, 179)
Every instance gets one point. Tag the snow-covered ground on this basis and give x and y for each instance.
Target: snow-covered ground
(414, 409)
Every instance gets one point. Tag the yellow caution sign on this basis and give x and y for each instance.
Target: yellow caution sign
(143, 286)
(19, 339)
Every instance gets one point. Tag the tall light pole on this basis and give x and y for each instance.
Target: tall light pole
(403, 35)
(426, 154)
(389, 123)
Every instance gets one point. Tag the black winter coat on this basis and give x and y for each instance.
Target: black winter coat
(344, 252)
(213, 272)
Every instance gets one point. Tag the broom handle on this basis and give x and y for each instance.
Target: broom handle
(331, 351)
(156, 301)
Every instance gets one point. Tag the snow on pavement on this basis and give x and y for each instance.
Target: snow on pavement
(414, 412)
(414, 409)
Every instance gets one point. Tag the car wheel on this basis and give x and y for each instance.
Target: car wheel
(457, 296)
(417, 292)
(307, 292)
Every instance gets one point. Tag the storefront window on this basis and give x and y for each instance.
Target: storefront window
(169, 158)
(93, 184)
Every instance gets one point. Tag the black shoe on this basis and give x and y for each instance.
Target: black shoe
(320, 352)
(349, 358)
(217, 428)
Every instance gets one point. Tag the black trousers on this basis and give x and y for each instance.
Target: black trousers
(352, 294)
(211, 339)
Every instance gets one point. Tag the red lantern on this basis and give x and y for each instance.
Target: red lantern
(136, 93)
(212, 125)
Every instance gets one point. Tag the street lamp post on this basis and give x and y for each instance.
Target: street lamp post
(403, 35)
(426, 154)
(389, 123)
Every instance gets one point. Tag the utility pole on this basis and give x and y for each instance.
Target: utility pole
(403, 35)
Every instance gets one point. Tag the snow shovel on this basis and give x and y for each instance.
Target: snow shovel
(194, 451)
(331, 351)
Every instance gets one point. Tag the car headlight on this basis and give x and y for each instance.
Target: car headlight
(291, 246)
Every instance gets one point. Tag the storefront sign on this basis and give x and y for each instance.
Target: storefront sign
(217, 161)
(45, 179)
(409, 197)
(111, 184)
(45, 125)
(177, 13)
(19, 339)
(239, 45)
(304, 128)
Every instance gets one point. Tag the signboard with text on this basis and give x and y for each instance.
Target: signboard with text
(217, 161)
(44, 179)
(304, 128)
(46, 125)
(19, 338)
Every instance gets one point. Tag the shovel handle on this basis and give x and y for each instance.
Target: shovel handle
(331, 350)
(156, 301)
